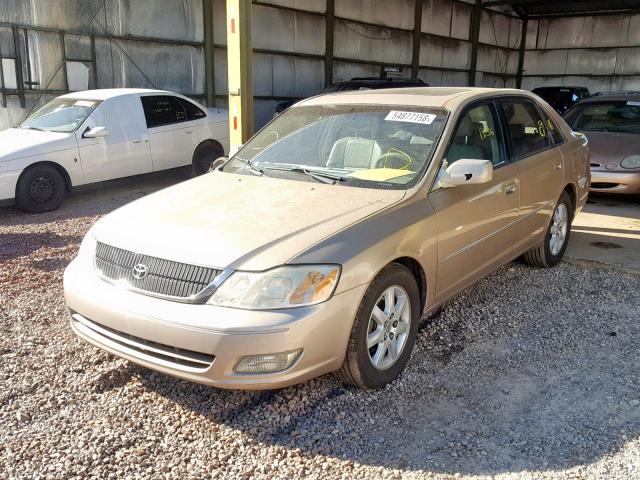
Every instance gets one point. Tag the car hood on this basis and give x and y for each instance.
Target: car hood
(607, 147)
(238, 221)
(20, 142)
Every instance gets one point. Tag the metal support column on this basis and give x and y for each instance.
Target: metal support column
(239, 60)
(417, 37)
(521, 53)
(329, 23)
(63, 53)
(209, 53)
(474, 37)
(18, 56)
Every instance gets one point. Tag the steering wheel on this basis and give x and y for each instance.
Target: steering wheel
(387, 160)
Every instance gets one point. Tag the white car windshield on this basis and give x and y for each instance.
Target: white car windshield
(375, 146)
(60, 115)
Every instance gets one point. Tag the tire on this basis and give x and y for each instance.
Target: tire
(548, 254)
(204, 156)
(40, 189)
(358, 368)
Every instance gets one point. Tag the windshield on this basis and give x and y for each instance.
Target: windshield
(60, 115)
(376, 146)
(612, 116)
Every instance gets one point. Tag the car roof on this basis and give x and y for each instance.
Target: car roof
(616, 97)
(558, 87)
(106, 93)
(415, 96)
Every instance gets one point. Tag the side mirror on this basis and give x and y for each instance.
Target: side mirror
(95, 132)
(217, 163)
(467, 172)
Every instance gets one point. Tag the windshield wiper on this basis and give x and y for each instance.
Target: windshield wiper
(252, 166)
(34, 128)
(324, 177)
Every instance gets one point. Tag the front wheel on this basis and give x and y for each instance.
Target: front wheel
(40, 189)
(551, 251)
(384, 330)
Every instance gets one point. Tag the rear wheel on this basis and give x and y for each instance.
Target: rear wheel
(551, 251)
(40, 189)
(384, 330)
(204, 157)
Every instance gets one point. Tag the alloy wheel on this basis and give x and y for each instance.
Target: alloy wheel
(388, 328)
(559, 227)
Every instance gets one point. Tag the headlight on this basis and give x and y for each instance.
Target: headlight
(282, 287)
(88, 245)
(631, 162)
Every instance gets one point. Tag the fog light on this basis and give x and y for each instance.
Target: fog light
(268, 362)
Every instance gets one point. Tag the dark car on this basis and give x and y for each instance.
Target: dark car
(362, 83)
(561, 98)
(611, 122)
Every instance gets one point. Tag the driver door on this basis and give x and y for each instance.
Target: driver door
(476, 223)
(124, 151)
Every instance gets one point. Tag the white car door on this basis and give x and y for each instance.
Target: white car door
(125, 150)
(171, 132)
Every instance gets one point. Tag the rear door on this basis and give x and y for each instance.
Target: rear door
(170, 131)
(540, 166)
(475, 222)
(124, 151)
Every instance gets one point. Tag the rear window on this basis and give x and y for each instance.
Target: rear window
(611, 116)
(193, 111)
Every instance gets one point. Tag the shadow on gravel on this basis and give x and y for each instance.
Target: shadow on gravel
(550, 386)
(15, 245)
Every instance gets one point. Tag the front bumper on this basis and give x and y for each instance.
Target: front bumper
(607, 181)
(203, 343)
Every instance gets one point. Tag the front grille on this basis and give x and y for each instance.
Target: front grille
(178, 357)
(163, 277)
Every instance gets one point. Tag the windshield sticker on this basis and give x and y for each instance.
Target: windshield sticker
(84, 103)
(634, 103)
(410, 117)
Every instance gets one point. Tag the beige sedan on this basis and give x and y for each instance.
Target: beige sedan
(320, 245)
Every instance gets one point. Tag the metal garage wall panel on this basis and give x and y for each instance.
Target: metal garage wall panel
(287, 31)
(461, 20)
(400, 14)
(263, 112)
(221, 73)
(448, 78)
(262, 74)
(437, 16)
(284, 76)
(628, 61)
(363, 42)
(549, 62)
(219, 22)
(309, 77)
(565, 32)
(345, 70)
(45, 55)
(633, 32)
(442, 52)
(532, 33)
(171, 19)
(606, 31)
(494, 29)
(594, 62)
(170, 67)
(309, 5)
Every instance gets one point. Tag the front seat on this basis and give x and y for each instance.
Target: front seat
(463, 143)
(354, 153)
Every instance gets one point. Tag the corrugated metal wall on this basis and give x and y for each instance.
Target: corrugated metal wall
(161, 44)
(599, 52)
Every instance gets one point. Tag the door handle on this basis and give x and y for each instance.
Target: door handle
(510, 188)
(559, 165)
(139, 140)
(188, 131)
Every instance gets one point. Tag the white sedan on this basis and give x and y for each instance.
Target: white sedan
(97, 135)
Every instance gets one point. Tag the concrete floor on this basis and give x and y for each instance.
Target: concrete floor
(607, 231)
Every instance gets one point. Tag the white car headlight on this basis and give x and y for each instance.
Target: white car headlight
(631, 162)
(282, 287)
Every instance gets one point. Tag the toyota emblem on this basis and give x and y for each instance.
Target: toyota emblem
(139, 271)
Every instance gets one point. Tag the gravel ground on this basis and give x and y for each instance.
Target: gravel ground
(529, 374)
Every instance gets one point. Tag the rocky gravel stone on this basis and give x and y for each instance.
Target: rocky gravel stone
(529, 374)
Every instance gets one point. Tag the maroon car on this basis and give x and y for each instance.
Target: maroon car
(611, 122)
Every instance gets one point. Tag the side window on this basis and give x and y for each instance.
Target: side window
(553, 129)
(163, 110)
(476, 137)
(193, 111)
(525, 127)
